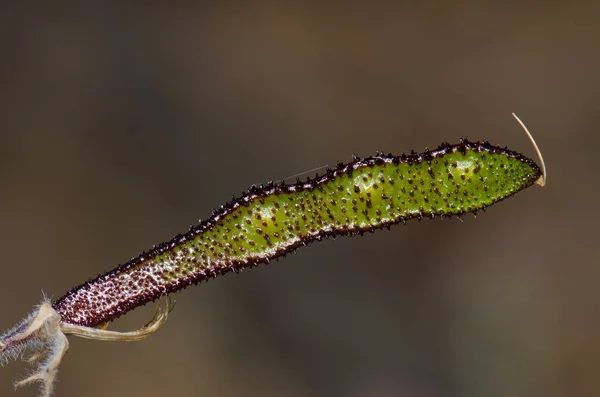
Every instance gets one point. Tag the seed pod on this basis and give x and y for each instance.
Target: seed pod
(270, 221)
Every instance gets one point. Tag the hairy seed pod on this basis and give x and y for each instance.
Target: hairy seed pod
(270, 221)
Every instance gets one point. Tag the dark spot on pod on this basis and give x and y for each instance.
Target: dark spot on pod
(427, 154)
(356, 189)
(444, 146)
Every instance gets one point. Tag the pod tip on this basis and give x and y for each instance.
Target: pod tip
(544, 177)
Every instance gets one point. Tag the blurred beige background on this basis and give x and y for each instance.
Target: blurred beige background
(121, 126)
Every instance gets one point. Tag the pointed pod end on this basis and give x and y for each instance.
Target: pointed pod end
(543, 178)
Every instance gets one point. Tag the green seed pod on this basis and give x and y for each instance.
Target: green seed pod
(270, 221)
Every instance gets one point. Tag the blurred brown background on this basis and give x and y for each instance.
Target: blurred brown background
(120, 126)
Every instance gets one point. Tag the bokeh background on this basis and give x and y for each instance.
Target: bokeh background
(121, 125)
